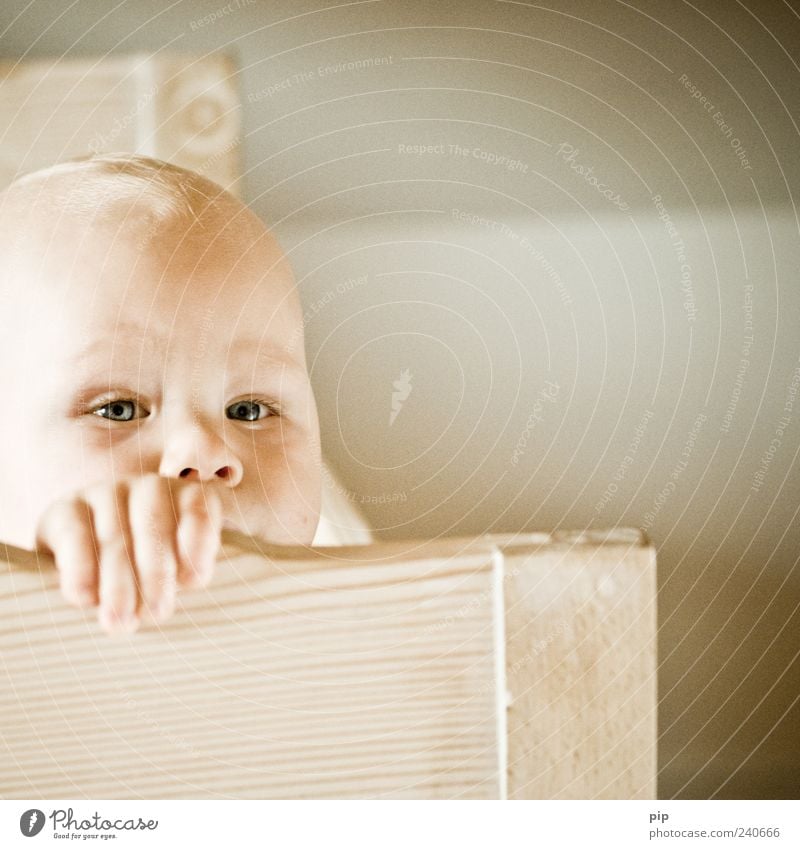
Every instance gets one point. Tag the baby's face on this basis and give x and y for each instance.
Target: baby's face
(117, 361)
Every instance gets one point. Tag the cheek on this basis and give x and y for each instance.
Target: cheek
(289, 467)
(37, 469)
(66, 464)
(286, 478)
(73, 458)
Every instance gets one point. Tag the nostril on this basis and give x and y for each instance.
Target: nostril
(224, 472)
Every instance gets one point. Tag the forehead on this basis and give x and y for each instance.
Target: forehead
(102, 292)
(168, 265)
(42, 220)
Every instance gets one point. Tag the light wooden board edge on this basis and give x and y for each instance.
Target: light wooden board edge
(236, 544)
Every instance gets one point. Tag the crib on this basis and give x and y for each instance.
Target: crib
(493, 667)
(519, 666)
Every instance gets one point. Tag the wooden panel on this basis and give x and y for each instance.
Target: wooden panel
(183, 109)
(372, 671)
(360, 671)
(196, 116)
(581, 665)
(54, 110)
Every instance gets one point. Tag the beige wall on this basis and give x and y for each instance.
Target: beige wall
(552, 339)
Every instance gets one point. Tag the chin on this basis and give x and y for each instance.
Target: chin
(288, 530)
(294, 536)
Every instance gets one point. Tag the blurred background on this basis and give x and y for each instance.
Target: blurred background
(549, 260)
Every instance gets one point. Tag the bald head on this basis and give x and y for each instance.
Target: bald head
(105, 188)
(169, 213)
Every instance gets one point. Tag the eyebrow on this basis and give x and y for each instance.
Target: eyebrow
(269, 352)
(105, 344)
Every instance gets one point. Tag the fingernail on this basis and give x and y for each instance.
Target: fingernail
(194, 577)
(86, 598)
(164, 609)
(124, 623)
(195, 580)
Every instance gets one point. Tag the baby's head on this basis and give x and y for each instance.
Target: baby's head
(151, 325)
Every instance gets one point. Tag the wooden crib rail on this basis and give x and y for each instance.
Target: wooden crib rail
(503, 666)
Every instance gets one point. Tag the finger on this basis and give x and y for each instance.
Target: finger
(199, 529)
(119, 593)
(66, 530)
(153, 527)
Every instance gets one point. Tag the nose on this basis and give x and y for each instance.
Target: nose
(199, 454)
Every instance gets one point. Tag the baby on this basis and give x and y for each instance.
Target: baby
(154, 381)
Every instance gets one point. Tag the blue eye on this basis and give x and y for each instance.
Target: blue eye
(249, 411)
(121, 410)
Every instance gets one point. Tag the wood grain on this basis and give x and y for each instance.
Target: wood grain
(424, 669)
(329, 673)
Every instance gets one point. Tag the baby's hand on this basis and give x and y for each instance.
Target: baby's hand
(129, 544)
